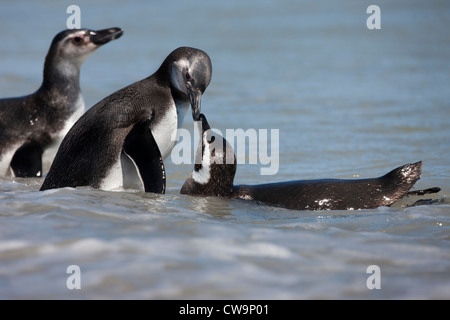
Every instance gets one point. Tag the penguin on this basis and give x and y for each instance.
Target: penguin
(122, 141)
(215, 169)
(36, 123)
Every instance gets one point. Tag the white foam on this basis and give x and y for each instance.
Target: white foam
(13, 245)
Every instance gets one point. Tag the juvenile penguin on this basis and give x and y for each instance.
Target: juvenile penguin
(214, 173)
(31, 124)
(123, 140)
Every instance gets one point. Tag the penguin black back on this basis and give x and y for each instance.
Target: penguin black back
(335, 194)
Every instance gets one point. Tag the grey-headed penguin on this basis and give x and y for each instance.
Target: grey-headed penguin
(35, 123)
(122, 140)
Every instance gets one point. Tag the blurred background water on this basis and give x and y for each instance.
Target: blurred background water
(348, 101)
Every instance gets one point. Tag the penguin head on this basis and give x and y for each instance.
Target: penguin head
(73, 46)
(215, 165)
(190, 74)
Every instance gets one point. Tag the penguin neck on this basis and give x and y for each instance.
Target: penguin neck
(181, 100)
(213, 179)
(163, 76)
(213, 188)
(61, 76)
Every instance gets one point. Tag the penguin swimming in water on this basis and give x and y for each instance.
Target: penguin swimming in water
(31, 124)
(214, 173)
(123, 140)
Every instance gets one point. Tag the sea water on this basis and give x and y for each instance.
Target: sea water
(347, 101)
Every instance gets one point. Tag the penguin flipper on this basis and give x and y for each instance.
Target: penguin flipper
(27, 161)
(141, 147)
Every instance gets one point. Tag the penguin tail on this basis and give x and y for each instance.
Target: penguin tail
(400, 180)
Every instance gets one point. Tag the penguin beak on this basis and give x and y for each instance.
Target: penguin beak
(195, 97)
(101, 37)
(205, 124)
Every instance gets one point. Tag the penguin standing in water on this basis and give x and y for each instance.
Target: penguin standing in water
(123, 139)
(31, 124)
(214, 173)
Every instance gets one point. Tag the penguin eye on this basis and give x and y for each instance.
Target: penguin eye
(187, 75)
(212, 139)
(77, 40)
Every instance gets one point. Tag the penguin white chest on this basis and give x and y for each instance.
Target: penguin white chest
(124, 172)
(114, 178)
(165, 131)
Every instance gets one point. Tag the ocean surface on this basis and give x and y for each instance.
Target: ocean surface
(348, 101)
